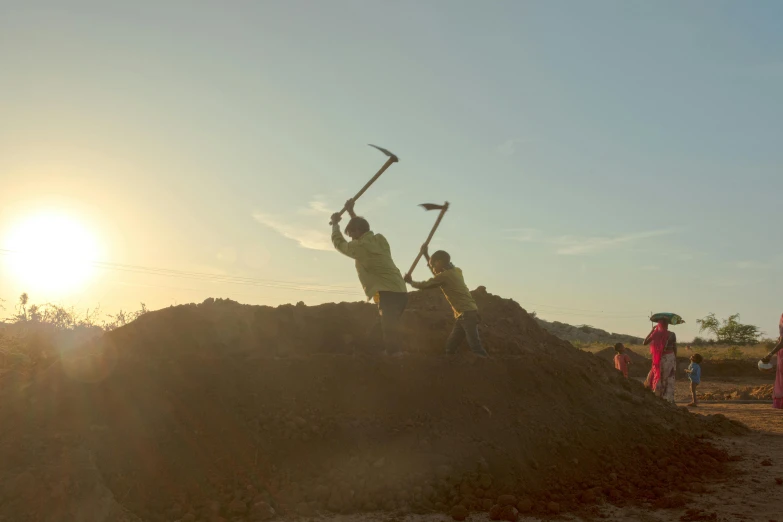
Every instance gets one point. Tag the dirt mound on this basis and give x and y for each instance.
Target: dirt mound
(763, 392)
(221, 411)
(220, 327)
(585, 334)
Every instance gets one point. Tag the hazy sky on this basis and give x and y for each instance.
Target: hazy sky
(602, 159)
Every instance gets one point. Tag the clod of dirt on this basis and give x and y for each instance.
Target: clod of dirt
(237, 507)
(459, 512)
(553, 507)
(509, 514)
(766, 462)
(698, 515)
(507, 500)
(674, 501)
(779, 481)
(697, 487)
(524, 505)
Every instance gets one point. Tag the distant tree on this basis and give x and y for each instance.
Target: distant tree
(730, 330)
(533, 314)
(122, 318)
(63, 318)
(21, 309)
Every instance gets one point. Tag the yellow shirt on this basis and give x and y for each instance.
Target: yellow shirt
(374, 263)
(452, 283)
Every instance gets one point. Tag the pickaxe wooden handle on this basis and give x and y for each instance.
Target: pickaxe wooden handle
(429, 206)
(392, 159)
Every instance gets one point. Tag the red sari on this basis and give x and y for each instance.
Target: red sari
(777, 392)
(658, 341)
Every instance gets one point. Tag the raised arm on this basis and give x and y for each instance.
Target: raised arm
(774, 351)
(338, 240)
(349, 207)
(425, 252)
(434, 282)
(648, 339)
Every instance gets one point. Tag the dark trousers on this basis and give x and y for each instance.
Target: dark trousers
(466, 327)
(385, 334)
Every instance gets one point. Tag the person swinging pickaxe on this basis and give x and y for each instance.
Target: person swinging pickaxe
(450, 280)
(379, 276)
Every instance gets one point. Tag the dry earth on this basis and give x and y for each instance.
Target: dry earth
(750, 493)
(221, 412)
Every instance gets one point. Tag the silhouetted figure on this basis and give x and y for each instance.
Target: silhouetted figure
(450, 280)
(379, 276)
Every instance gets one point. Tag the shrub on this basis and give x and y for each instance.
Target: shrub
(730, 330)
(734, 353)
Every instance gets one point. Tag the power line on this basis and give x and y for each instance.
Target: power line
(305, 287)
(215, 278)
(568, 314)
(578, 309)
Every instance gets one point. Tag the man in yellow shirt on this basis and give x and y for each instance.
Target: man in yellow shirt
(379, 276)
(450, 280)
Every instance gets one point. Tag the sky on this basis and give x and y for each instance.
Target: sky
(603, 160)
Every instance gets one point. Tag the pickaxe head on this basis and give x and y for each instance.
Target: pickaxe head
(433, 206)
(388, 153)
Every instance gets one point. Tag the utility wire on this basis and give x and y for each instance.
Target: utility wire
(307, 287)
(215, 278)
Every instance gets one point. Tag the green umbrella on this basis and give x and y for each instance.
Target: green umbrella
(672, 319)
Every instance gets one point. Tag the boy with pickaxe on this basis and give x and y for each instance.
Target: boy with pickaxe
(379, 276)
(450, 280)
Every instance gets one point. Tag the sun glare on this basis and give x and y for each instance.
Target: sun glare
(51, 253)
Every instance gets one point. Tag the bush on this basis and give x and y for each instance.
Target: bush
(734, 353)
(64, 318)
(730, 330)
(39, 332)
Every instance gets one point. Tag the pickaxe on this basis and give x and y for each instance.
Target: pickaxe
(392, 159)
(429, 206)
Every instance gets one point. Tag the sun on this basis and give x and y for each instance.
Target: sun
(51, 253)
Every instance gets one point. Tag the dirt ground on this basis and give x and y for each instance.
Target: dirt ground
(750, 493)
(221, 412)
(682, 389)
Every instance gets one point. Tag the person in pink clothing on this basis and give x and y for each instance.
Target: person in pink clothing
(621, 359)
(777, 392)
(663, 348)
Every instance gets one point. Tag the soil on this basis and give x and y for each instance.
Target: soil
(221, 411)
(763, 392)
(750, 492)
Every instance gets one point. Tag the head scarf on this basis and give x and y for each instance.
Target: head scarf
(780, 326)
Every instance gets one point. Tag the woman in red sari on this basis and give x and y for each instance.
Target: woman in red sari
(777, 393)
(664, 361)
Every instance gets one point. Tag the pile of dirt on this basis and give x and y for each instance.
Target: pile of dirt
(586, 334)
(761, 393)
(222, 327)
(221, 411)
